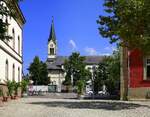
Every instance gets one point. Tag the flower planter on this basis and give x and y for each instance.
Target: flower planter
(8, 98)
(16, 97)
(24, 95)
(12, 97)
(1, 101)
(80, 96)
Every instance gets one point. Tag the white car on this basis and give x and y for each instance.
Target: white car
(90, 92)
(103, 93)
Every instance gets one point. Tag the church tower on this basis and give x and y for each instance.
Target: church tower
(52, 44)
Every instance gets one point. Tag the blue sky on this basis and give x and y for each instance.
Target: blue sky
(75, 26)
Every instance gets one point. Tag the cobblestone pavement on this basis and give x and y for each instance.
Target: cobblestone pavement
(48, 107)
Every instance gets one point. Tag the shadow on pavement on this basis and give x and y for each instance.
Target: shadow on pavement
(91, 105)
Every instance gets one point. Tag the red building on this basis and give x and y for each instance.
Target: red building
(139, 75)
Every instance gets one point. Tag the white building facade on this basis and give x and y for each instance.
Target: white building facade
(11, 60)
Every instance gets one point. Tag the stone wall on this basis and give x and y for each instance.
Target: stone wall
(139, 93)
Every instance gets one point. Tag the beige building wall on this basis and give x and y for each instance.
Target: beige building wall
(57, 78)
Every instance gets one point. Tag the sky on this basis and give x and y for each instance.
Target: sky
(75, 27)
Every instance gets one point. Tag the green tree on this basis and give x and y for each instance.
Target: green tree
(3, 24)
(113, 69)
(127, 24)
(108, 73)
(75, 67)
(44, 74)
(100, 75)
(38, 72)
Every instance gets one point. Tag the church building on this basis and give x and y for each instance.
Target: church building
(55, 63)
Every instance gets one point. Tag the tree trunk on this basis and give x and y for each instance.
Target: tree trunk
(124, 74)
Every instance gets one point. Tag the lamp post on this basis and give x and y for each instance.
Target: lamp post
(93, 78)
(72, 76)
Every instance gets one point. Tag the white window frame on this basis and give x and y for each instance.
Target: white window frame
(145, 67)
(19, 45)
(6, 70)
(18, 74)
(13, 72)
(13, 38)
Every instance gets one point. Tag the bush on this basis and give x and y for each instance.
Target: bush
(24, 84)
(10, 85)
(16, 86)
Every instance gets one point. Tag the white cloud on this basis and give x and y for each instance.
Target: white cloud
(107, 48)
(105, 54)
(111, 48)
(90, 51)
(72, 44)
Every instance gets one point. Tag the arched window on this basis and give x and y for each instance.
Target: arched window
(13, 72)
(51, 51)
(18, 45)
(6, 70)
(6, 21)
(18, 74)
(13, 38)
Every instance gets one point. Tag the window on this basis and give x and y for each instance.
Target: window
(51, 51)
(18, 45)
(13, 73)
(6, 21)
(6, 70)
(18, 74)
(147, 69)
(13, 38)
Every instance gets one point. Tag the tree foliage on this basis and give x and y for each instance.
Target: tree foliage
(75, 66)
(38, 72)
(113, 68)
(100, 75)
(4, 12)
(108, 73)
(126, 22)
(3, 25)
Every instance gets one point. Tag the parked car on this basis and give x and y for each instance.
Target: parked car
(103, 93)
(90, 92)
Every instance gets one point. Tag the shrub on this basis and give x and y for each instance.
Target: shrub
(10, 85)
(16, 86)
(24, 84)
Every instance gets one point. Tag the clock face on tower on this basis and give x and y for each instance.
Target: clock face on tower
(51, 45)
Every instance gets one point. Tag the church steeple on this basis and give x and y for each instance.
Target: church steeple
(52, 35)
(52, 44)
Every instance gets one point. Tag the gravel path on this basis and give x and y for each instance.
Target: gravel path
(45, 107)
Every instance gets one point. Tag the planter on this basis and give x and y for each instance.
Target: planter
(80, 96)
(8, 98)
(16, 97)
(24, 95)
(12, 97)
(1, 101)
(5, 99)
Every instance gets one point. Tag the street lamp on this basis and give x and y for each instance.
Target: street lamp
(93, 78)
(72, 76)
